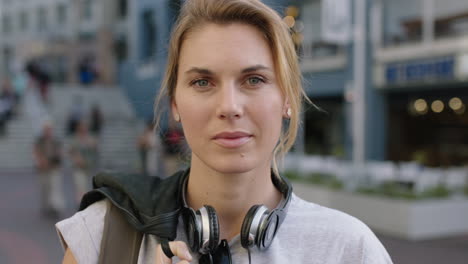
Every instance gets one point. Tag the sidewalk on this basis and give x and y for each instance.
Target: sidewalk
(453, 250)
(25, 236)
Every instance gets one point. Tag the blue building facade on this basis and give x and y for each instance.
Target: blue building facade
(415, 88)
(140, 75)
(415, 59)
(420, 65)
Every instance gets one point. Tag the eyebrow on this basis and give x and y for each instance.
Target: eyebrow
(246, 70)
(199, 70)
(255, 68)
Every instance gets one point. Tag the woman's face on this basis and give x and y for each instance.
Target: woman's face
(227, 97)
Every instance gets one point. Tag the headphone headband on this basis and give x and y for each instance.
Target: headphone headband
(259, 227)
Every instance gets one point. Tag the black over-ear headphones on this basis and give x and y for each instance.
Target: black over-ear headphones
(259, 227)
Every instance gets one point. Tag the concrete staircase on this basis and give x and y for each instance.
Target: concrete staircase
(16, 145)
(118, 138)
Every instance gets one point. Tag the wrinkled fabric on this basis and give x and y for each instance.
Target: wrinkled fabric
(309, 234)
(150, 204)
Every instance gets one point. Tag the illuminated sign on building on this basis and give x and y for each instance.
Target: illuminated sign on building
(428, 70)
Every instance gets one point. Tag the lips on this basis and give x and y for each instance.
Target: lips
(232, 139)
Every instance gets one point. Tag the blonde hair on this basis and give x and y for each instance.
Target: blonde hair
(196, 13)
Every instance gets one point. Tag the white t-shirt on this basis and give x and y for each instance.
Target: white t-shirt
(310, 233)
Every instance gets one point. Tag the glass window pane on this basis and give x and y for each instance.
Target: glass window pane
(6, 24)
(403, 21)
(122, 8)
(61, 14)
(310, 25)
(149, 34)
(42, 19)
(23, 20)
(451, 18)
(86, 10)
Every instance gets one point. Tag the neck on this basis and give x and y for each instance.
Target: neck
(231, 195)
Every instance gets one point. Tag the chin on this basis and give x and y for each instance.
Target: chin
(229, 165)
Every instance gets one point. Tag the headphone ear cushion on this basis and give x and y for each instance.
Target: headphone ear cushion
(246, 224)
(192, 228)
(214, 228)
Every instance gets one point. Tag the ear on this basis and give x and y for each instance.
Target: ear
(174, 110)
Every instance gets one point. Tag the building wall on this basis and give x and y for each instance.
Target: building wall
(431, 83)
(428, 68)
(29, 35)
(140, 75)
(88, 27)
(329, 77)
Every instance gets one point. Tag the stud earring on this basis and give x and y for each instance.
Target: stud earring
(177, 118)
(288, 112)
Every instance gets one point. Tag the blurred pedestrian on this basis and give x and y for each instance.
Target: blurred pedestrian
(8, 97)
(7, 104)
(149, 146)
(40, 80)
(20, 81)
(96, 120)
(173, 149)
(76, 113)
(34, 106)
(84, 157)
(86, 71)
(48, 160)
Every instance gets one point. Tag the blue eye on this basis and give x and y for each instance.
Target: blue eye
(255, 80)
(201, 83)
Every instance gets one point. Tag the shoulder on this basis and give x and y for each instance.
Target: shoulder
(330, 229)
(82, 232)
(324, 217)
(324, 221)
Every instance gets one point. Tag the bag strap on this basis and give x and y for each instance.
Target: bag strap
(120, 241)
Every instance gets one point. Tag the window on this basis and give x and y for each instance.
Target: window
(6, 24)
(61, 14)
(149, 34)
(174, 7)
(87, 10)
(122, 8)
(7, 57)
(403, 25)
(324, 132)
(451, 18)
(121, 49)
(23, 20)
(310, 26)
(42, 19)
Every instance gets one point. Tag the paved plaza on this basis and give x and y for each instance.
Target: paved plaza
(28, 237)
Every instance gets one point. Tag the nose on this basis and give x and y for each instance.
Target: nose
(229, 103)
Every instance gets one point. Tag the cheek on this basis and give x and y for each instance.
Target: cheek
(274, 125)
(270, 116)
(193, 118)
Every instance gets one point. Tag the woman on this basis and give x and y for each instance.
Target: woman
(232, 80)
(84, 158)
(48, 158)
